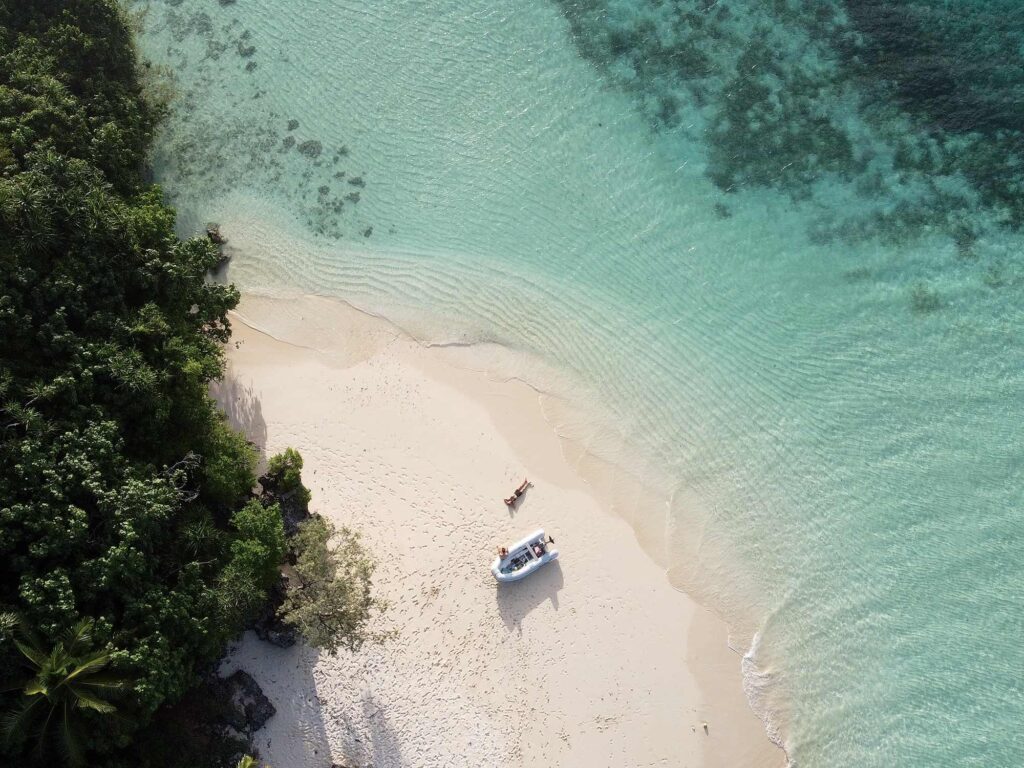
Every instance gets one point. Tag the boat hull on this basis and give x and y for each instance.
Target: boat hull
(502, 568)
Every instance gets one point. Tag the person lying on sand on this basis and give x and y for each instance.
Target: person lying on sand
(517, 492)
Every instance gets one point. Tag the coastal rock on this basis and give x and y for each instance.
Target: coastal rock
(245, 51)
(293, 512)
(293, 124)
(311, 148)
(268, 627)
(250, 66)
(213, 232)
(357, 181)
(250, 708)
(293, 504)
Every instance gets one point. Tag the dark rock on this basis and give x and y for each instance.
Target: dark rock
(293, 124)
(293, 504)
(357, 181)
(311, 148)
(226, 2)
(213, 232)
(278, 633)
(324, 190)
(368, 231)
(339, 175)
(268, 627)
(245, 51)
(352, 197)
(250, 66)
(294, 512)
(249, 703)
(288, 142)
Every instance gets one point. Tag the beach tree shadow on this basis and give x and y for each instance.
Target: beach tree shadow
(242, 407)
(286, 677)
(385, 745)
(516, 599)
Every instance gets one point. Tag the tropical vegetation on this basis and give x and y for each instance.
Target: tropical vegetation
(132, 547)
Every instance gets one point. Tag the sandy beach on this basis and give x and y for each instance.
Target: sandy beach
(593, 661)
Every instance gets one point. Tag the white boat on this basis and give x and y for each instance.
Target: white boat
(524, 557)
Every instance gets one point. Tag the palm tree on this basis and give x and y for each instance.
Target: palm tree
(59, 685)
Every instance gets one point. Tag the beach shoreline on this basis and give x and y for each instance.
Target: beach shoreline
(595, 660)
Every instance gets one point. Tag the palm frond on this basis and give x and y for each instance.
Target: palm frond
(70, 745)
(37, 657)
(13, 684)
(92, 663)
(19, 721)
(33, 688)
(88, 700)
(109, 681)
(79, 635)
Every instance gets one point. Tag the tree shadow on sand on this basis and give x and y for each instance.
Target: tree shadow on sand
(286, 677)
(385, 746)
(516, 599)
(242, 407)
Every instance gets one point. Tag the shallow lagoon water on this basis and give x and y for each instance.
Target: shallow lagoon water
(785, 295)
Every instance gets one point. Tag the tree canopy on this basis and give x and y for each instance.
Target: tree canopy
(131, 545)
(121, 485)
(331, 603)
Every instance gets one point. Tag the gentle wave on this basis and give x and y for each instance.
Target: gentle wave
(800, 338)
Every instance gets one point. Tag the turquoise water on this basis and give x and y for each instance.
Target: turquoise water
(775, 246)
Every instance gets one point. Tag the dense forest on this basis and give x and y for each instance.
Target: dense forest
(132, 547)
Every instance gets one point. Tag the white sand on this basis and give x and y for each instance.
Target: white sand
(593, 661)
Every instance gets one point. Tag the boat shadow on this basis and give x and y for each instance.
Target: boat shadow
(517, 599)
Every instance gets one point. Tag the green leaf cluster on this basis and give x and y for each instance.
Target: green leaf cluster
(284, 476)
(122, 488)
(331, 602)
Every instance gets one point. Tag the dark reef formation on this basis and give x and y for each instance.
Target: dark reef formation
(895, 119)
(242, 145)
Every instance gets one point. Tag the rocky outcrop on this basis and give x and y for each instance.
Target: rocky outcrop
(268, 627)
(248, 709)
(213, 232)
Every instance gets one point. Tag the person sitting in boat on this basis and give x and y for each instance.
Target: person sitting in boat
(502, 552)
(538, 549)
(517, 492)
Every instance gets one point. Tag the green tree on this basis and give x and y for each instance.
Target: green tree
(120, 482)
(254, 564)
(332, 603)
(284, 476)
(62, 684)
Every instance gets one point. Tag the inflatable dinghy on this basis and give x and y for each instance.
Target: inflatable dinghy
(524, 557)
